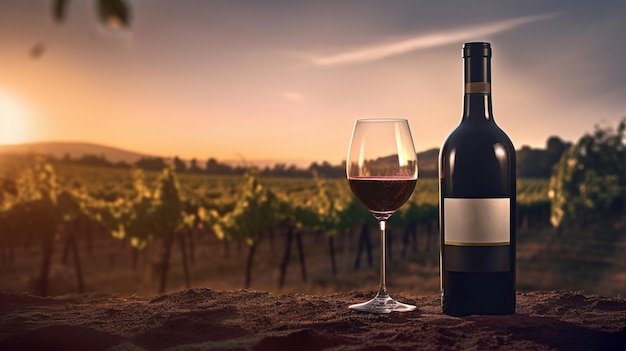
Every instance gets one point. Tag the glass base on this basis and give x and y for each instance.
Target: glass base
(382, 303)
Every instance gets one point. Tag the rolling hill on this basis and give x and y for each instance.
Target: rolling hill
(59, 149)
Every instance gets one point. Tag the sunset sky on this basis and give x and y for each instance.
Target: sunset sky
(285, 80)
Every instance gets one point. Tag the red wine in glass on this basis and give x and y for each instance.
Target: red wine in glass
(382, 195)
(382, 171)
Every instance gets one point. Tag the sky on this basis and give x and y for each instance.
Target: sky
(284, 81)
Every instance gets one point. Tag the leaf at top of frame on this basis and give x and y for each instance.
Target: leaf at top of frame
(114, 13)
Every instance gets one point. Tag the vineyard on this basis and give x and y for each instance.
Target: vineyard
(68, 228)
(160, 226)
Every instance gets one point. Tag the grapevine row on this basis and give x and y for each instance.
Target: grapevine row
(41, 205)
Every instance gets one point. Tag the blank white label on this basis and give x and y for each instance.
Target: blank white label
(477, 221)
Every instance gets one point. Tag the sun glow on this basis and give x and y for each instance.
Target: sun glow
(14, 119)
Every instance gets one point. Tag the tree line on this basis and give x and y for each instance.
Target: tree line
(211, 166)
(531, 163)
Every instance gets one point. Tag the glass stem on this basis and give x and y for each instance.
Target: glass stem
(382, 288)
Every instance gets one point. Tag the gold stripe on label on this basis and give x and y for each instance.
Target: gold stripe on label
(456, 243)
(478, 87)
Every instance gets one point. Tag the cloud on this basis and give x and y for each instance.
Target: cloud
(379, 52)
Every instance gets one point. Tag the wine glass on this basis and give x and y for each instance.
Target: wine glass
(382, 172)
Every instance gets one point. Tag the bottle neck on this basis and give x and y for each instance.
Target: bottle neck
(477, 107)
(477, 94)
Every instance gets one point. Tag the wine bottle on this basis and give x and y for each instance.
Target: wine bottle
(477, 201)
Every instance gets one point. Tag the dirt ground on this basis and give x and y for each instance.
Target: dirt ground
(207, 319)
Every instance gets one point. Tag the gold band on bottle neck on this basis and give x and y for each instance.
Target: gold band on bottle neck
(478, 87)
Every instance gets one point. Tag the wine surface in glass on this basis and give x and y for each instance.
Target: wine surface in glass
(382, 194)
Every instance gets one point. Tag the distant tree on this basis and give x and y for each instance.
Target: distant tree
(538, 163)
(291, 169)
(179, 165)
(533, 163)
(151, 163)
(94, 160)
(282, 170)
(327, 170)
(214, 167)
(122, 164)
(555, 148)
(211, 164)
(239, 170)
(194, 167)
